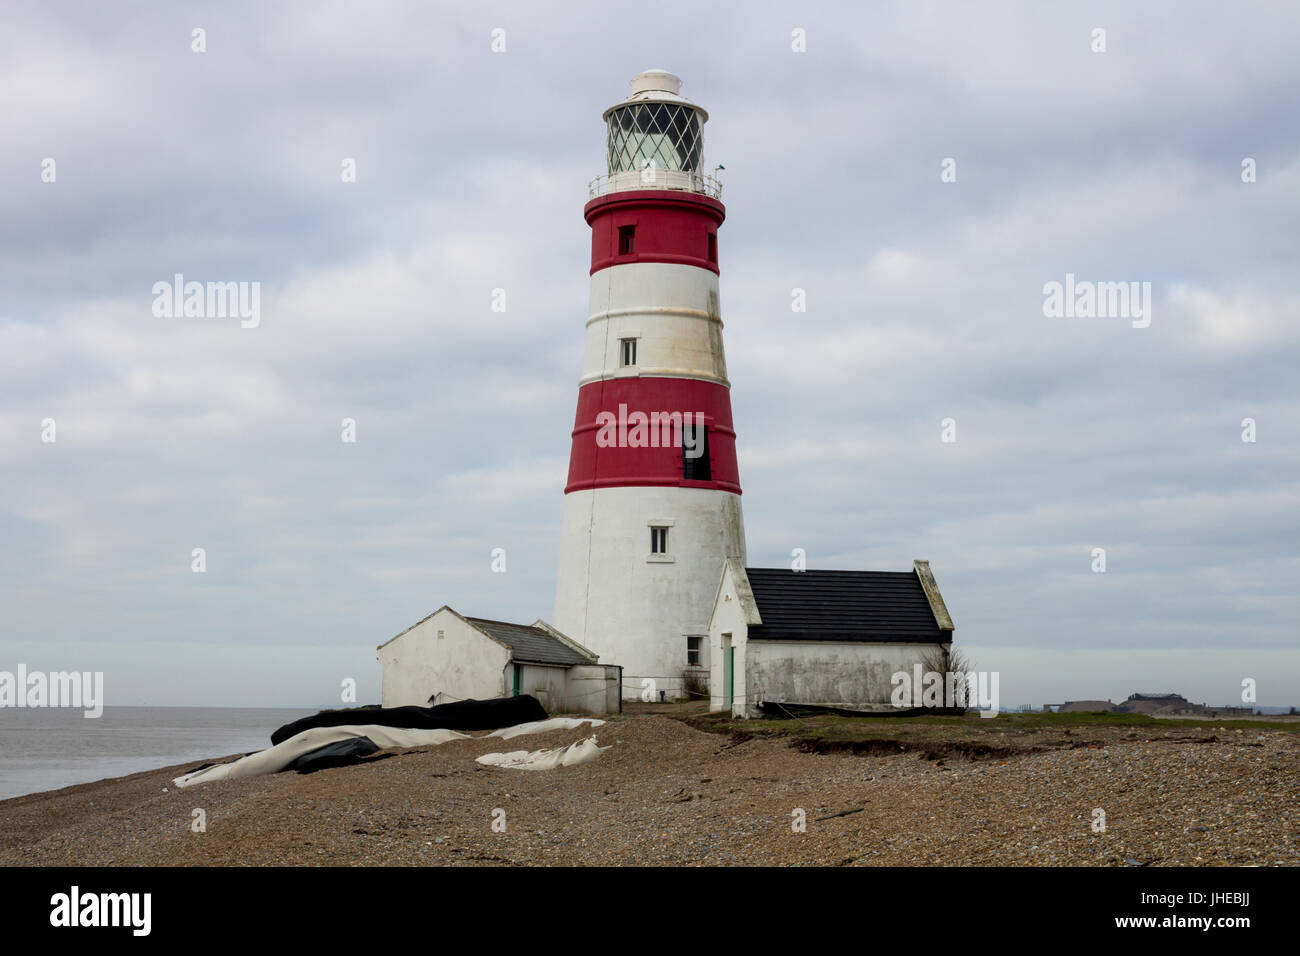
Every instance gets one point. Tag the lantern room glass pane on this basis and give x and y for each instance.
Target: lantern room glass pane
(655, 136)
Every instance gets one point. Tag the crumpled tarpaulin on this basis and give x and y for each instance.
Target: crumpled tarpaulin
(320, 748)
(542, 726)
(460, 715)
(583, 751)
(341, 753)
(280, 756)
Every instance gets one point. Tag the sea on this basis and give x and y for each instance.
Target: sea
(45, 748)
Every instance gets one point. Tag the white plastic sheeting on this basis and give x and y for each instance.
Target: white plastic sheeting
(542, 726)
(583, 751)
(286, 752)
(276, 758)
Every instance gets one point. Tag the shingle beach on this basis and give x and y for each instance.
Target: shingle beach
(670, 794)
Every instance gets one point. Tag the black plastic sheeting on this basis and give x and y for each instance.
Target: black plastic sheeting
(341, 753)
(461, 715)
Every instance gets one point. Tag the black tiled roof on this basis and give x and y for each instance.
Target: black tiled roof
(531, 645)
(842, 606)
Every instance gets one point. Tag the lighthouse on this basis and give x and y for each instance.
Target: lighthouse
(652, 501)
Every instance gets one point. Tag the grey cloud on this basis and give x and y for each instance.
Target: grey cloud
(924, 302)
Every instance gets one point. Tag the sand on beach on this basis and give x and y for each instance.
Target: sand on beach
(669, 794)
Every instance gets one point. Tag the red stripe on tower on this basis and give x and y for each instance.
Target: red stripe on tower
(654, 226)
(659, 457)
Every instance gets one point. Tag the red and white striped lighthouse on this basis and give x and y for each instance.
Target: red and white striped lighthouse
(652, 503)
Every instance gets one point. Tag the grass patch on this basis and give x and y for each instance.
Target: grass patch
(975, 737)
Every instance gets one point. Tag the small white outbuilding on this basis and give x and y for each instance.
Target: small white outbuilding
(446, 657)
(825, 638)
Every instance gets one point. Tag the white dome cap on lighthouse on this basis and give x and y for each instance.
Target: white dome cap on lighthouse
(660, 80)
(658, 86)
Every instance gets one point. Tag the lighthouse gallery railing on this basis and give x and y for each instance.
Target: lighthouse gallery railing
(676, 179)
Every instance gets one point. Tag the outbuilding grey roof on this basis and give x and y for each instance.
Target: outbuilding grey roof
(846, 606)
(532, 645)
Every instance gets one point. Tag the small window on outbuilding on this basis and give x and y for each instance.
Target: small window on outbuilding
(693, 656)
(626, 240)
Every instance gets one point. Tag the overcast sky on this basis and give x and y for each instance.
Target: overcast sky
(924, 302)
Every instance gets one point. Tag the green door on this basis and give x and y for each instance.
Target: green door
(516, 670)
(730, 667)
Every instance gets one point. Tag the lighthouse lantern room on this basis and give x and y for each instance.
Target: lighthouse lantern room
(652, 503)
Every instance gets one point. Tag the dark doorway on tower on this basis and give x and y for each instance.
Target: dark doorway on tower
(695, 453)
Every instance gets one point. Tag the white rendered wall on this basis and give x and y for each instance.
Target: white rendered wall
(593, 689)
(673, 312)
(548, 684)
(633, 608)
(727, 627)
(847, 674)
(580, 689)
(462, 665)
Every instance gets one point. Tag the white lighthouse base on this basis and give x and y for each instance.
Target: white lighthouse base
(637, 609)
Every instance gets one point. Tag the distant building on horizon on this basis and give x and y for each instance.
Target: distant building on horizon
(1152, 705)
(1084, 707)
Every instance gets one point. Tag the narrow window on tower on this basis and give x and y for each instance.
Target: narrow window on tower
(628, 349)
(695, 453)
(693, 656)
(626, 240)
(659, 541)
(713, 248)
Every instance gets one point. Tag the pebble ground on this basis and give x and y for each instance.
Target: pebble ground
(668, 794)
